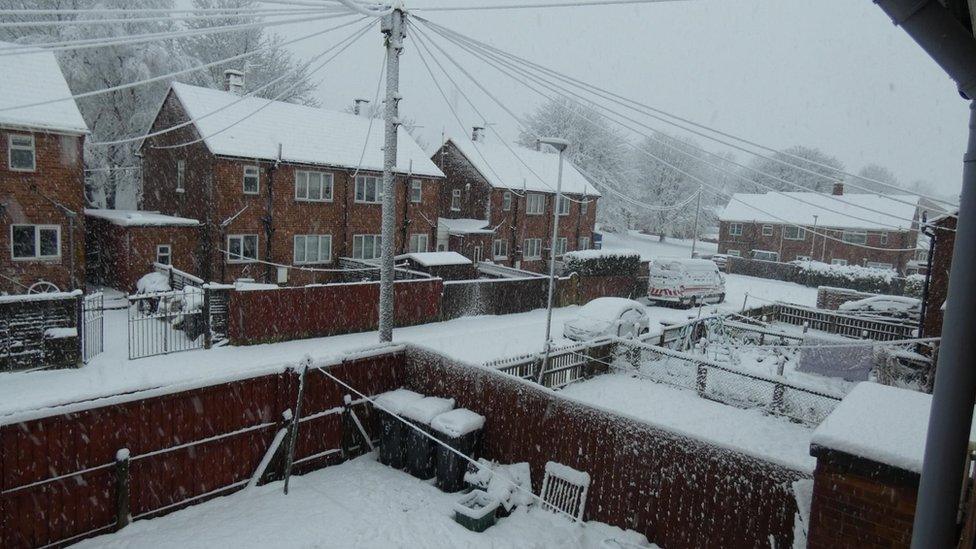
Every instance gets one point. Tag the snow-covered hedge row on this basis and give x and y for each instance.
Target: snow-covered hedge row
(914, 286)
(816, 274)
(603, 262)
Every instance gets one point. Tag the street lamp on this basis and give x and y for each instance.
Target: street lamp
(560, 145)
(813, 236)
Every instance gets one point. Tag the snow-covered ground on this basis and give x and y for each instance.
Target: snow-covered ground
(360, 503)
(751, 432)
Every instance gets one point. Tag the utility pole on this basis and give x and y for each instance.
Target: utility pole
(393, 28)
(694, 241)
(560, 145)
(813, 236)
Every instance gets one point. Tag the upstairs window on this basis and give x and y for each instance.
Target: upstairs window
(506, 201)
(767, 230)
(164, 254)
(35, 241)
(854, 237)
(884, 239)
(252, 180)
(735, 229)
(416, 191)
(563, 205)
(313, 186)
(535, 204)
(584, 206)
(180, 176)
(369, 189)
(21, 155)
(792, 232)
(456, 200)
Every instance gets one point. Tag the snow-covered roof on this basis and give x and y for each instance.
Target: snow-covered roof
(307, 135)
(139, 218)
(465, 226)
(879, 423)
(31, 78)
(436, 259)
(830, 212)
(499, 166)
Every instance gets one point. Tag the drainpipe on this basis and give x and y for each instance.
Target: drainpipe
(952, 46)
(271, 271)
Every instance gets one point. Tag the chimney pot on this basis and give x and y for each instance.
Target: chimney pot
(478, 133)
(234, 81)
(838, 189)
(358, 105)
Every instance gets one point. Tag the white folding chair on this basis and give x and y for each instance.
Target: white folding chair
(564, 489)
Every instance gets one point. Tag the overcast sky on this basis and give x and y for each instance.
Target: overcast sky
(833, 74)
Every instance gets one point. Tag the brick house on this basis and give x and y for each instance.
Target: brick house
(745, 231)
(275, 182)
(42, 177)
(123, 245)
(942, 234)
(494, 206)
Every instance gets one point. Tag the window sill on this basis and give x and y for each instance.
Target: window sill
(52, 259)
(24, 170)
(181, 191)
(368, 203)
(241, 261)
(303, 263)
(313, 201)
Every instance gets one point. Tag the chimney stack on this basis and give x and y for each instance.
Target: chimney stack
(838, 189)
(478, 134)
(234, 81)
(357, 108)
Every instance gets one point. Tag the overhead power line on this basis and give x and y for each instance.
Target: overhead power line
(541, 5)
(678, 148)
(123, 11)
(168, 76)
(157, 19)
(643, 108)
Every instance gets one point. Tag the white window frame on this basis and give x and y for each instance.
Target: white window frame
(530, 245)
(362, 184)
(584, 243)
(11, 147)
(180, 175)
(376, 245)
(584, 205)
(773, 255)
(879, 265)
(499, 249)
(319, 239)
(801, 233)
(849, 237)
(253, 172)
(241, 258)
(416, 191)
(416, 239)
(164, 250)
(476, 253)
(456, 200)
(506, 201)
(767, 230)
(562, 243)
(562, 205)
(325, 183)
(535, 204)
(884, 238)
(37, 242)
(841, 262)
(733, 253)
(735, 229)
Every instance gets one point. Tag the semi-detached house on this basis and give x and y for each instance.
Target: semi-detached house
(497, 203)
(280, 183)
(42, 177)
(869, 230)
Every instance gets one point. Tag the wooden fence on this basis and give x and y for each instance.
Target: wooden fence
(566, 364)
(833, 322)
(27, 323)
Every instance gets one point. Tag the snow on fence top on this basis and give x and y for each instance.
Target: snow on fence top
(139, 218)
(31, 78)
(745, 207)
(598, 254)
(50, 296)
(501, 169)
(879, 423)
(436, 259)
(307, 135)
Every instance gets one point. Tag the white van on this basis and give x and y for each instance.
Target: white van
(685, 282)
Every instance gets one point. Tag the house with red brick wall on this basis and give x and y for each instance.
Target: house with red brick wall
(42, 177)
(869, 230)
(942, 235)
(279, 183)
(497, 203)
(124, 245)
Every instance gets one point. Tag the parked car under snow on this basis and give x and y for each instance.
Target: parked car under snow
(607, 316)
(886, 305)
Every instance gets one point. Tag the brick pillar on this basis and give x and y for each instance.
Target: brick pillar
(860, 503)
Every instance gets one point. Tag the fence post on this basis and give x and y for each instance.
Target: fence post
(701, 378)
(207, 334)
(122, 516)
(80, 327)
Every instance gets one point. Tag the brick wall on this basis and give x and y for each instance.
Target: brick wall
(120, 256)
(818, 247)
(860, 503)
(27, 198)
(938, 291)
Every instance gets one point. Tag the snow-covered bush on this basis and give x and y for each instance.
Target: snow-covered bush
(510, 485)
(914, 285)
(854, 277)
(603, 262)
